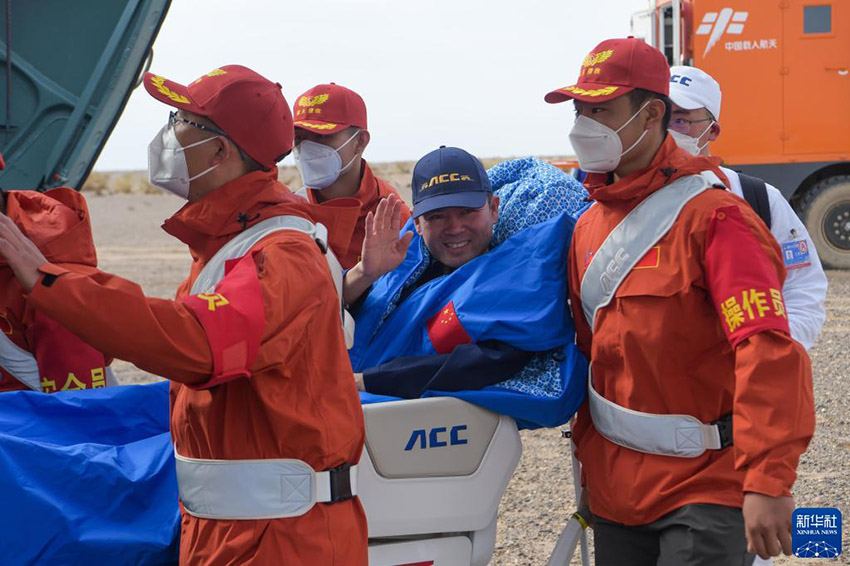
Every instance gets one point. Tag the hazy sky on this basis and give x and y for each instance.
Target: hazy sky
(470, 73)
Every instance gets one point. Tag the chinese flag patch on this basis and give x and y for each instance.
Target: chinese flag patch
(446, 331)
(651, 260)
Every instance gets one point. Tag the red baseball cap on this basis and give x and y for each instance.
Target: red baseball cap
(248, 107)
(327, 109)
(615, 67)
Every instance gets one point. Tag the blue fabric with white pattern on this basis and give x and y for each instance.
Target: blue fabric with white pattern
(526, 267)
(532, 191)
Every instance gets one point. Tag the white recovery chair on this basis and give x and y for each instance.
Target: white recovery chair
(431, 479)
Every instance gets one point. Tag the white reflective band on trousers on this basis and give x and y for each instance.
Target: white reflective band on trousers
(253, 489)
(22, 365)
(238, 246)
(668, 435)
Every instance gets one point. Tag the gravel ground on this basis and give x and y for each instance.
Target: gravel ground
(540, 496)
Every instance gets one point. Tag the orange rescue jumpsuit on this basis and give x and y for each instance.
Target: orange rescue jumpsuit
(299, 400)
(58, 223)
(697, 328)
(372, 190)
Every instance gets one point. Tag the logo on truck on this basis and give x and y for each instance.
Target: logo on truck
(716, 24)
(728, 21)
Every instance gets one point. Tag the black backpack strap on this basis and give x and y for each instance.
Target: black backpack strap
(755, 193)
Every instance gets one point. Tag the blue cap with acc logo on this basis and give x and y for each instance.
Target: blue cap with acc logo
(449, 177)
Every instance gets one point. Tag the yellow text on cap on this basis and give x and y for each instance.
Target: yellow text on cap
(444, 178)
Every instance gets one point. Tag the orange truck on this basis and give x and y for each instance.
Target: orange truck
(784, 69)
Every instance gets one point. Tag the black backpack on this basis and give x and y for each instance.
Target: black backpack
(755, 193)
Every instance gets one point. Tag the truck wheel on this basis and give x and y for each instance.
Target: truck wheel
(825, 210)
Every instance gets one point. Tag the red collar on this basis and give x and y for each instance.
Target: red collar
(208, 223)
(669, 163)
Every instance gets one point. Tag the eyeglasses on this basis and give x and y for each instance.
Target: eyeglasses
(683, 125)
(687, 123)
(173, 118)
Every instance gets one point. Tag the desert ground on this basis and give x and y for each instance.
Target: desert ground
(126, 216)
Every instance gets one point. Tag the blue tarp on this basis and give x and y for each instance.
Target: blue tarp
(87, 477)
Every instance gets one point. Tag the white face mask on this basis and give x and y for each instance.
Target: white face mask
(320, 165)
(689, 143)
(597, 146)
(167, 167)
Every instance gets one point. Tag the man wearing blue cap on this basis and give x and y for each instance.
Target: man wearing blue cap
(454, 211)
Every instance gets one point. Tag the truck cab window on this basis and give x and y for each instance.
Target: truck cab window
(817, 19)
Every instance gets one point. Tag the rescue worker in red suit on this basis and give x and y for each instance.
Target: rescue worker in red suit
(330, 137)
(696, 327)
(261, 382)
(37, 353)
